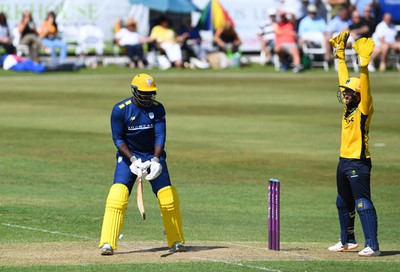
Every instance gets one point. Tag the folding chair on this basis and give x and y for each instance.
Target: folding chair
(351, 55)
(90, 37)
(314, 45)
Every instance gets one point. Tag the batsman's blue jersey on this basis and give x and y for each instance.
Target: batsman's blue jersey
(140, 128)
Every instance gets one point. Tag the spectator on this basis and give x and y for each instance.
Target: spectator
(226, 39)
(49, 34)
(29, 35)
(339, 23)
(266, 36)
(191, 44)
(337, 5)
(360, 5)
(5, 37)
(371, 21)
(359, 26)
(313, 23)
(128, 38)
(296, 10)
(285, 42)
(165, 39)
(385, 39)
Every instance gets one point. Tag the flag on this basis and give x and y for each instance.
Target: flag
(213, 16)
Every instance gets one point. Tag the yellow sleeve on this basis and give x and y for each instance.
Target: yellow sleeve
(365, 105)
(343, 73)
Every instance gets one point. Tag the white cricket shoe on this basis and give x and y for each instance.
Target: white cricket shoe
(339, 247)
(178, 247)
(368, 252)
(106, 249)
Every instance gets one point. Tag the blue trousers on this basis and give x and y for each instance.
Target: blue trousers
(353, 179)
(124, 175)
(54, 44)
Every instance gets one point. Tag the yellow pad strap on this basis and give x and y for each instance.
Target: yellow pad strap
(117, 202)
(168, 201)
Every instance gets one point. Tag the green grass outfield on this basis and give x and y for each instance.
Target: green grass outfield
(228, 132)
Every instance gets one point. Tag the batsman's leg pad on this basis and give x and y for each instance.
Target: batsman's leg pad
(369, 222)
(171, 214)
(117, 202)
(346, 220)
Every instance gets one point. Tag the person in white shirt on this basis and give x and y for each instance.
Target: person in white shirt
(266, 36)
(132, 41)
(385, 39)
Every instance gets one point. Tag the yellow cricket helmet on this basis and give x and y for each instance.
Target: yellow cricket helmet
(144, 83)
(144, 89)
(352, 83)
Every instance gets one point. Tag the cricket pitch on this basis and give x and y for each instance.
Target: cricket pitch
(142, 252)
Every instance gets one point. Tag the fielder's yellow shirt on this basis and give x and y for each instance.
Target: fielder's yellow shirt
(355, 125)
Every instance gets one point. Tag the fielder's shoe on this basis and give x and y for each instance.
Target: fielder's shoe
(368, 252)
(178, 247)
(339, 247)
(107, 250)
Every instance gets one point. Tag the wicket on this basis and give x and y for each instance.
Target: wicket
(273, 214)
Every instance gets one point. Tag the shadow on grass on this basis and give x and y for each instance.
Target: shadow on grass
(390, 253)
(158, 249)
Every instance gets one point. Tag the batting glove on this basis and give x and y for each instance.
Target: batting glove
(136, 166)
(339, 44)
(155, 168)
(364, 48)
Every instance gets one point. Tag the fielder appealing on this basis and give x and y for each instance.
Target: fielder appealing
(138, 129)
(354, 168)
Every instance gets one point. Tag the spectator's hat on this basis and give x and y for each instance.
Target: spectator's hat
(130, 22)
(312, 8)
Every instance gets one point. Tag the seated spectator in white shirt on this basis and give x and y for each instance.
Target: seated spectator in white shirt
(385, 39)
(132, 41)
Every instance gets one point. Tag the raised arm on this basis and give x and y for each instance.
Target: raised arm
(339, 44)
(364, 48)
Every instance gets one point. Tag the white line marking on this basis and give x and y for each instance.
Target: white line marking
(46, 231)
(237, 264)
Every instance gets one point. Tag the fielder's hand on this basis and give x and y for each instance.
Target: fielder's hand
(155, 169)
(339, 44)
(364, 48)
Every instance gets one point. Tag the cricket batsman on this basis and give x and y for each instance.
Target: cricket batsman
(354, 167)
(138, 130)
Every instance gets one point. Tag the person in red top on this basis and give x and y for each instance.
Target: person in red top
(285, 42)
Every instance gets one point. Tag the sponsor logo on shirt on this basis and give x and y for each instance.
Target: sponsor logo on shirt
(138, 127)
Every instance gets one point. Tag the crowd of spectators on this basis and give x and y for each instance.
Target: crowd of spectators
(304, 19)
(282, 35)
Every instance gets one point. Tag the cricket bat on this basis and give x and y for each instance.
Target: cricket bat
(139, 196)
